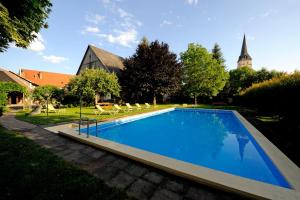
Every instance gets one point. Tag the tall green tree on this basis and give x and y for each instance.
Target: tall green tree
(21, 20)
(153, 70)
(202, 74)
(218, 55)
(92, 82)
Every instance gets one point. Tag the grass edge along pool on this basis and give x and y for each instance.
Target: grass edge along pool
(208, 176)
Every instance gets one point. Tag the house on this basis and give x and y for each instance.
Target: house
(95, 57)
(16, 98)
(45, 78)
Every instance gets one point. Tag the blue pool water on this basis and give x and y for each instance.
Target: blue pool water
(213, 139)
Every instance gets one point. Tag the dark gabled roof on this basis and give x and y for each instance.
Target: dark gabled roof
(112, 62)
(244, 52)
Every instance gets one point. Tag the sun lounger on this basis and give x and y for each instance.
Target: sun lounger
(100, 110)
(129, 107)
(118, 108)
(147, 105)
(138, 107)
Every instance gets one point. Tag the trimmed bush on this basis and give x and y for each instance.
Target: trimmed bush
(277, 96)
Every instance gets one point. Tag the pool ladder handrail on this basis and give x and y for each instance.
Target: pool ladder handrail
(88, 120)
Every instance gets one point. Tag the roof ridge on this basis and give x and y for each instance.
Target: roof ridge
(46, 71)
(92, 46)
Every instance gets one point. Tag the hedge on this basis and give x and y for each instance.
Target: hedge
(278, 96)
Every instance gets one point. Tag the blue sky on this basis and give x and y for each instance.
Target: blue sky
(272, 28)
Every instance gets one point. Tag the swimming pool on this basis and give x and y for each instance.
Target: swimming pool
(207, 138)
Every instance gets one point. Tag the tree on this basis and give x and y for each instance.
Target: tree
(218, 55)
(153, 70)
(92, 82)
(240, 79)
(42, 93)
(202, 74)
(20, 21)
(244, 77)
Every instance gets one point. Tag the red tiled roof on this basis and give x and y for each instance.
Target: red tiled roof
(46, 78)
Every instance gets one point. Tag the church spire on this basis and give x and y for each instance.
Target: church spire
(244, 59)
(244, 50)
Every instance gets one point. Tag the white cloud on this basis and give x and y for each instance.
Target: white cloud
(37, 44)
(166, 23)
(123, 24)
(123, 38)
(54, 59)
(90, 29)
(268, 13)
(95, 18)
(192, 2)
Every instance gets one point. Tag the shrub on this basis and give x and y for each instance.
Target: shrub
(278, 96)
(41, 93)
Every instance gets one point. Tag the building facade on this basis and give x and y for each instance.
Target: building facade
(16, 98)
(95, 57)
(245, 59)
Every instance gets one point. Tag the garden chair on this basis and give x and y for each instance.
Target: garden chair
(138, 107)
(118, 108)
(100, 110)
(51, 108)
(129, 107)
(147, 105)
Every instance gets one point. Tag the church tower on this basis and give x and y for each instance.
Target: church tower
(245, 59)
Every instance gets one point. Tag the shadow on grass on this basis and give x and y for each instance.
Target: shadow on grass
(31, 172)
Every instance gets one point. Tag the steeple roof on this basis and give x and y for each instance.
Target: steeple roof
(244, 51)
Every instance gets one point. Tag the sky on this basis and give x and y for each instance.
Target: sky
(272, 28)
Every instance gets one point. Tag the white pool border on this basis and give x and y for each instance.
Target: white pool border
(215, 178)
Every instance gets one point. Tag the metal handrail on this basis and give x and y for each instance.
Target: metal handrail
(88, 120)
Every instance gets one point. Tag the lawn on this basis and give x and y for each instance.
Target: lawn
(29, 171)
(72, 114)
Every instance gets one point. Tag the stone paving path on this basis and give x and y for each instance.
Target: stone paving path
(138, 180)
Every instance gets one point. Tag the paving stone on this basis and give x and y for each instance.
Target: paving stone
(64, 152)
(141, 189)
(136, 170)
(120, 163)
(121, 181)
(87, 150)
(83, 161)
(164, 194)
(97, 154)
(57, 149)
(99, 163)
(174, 186)
(153, 177)
(74, 156)
(106, 173)
(200, 194)
(75, 146)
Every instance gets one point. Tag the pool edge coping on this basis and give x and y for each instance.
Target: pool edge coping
(214, 178)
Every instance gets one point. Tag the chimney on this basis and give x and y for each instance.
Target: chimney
(40, 75)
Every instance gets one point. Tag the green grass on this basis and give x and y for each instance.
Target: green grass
(28, 171)
(72, 114)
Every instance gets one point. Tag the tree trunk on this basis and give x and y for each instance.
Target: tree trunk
(96, 98)
(195, 98)
(154, 100)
